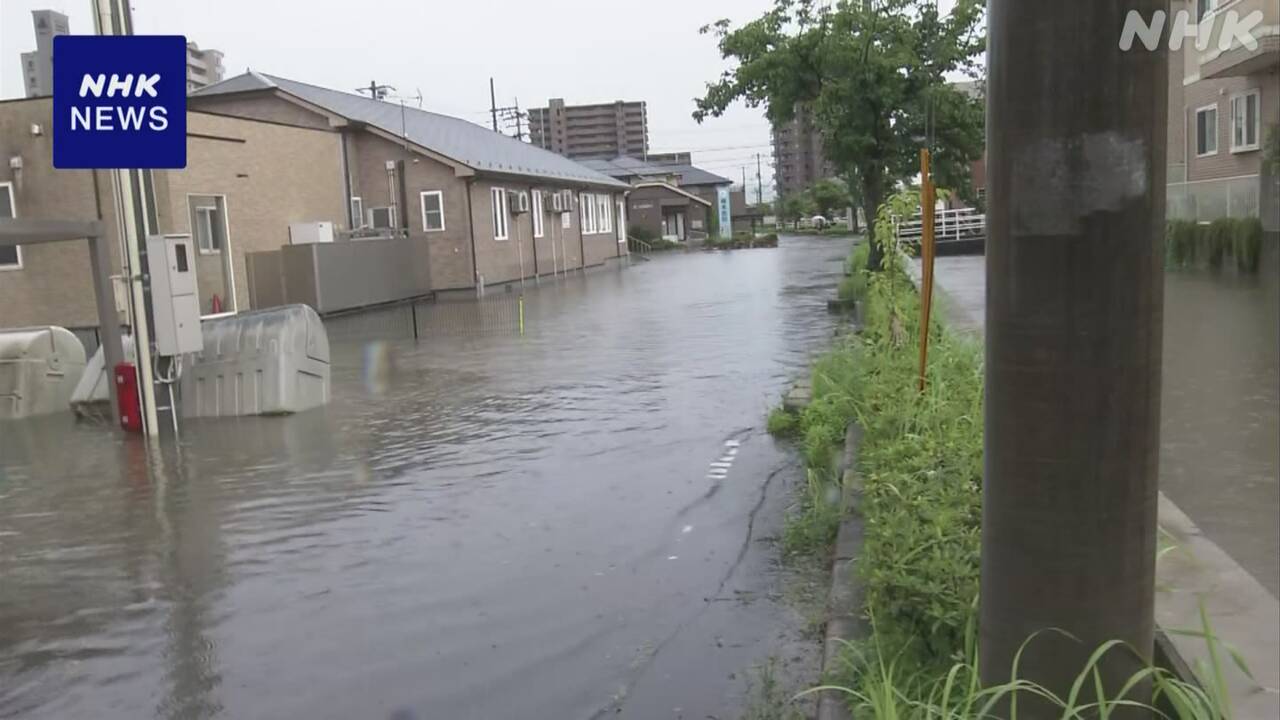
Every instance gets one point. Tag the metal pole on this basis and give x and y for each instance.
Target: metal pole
(759, 184)
(108, 322)
(1073, 340)
(112, 17)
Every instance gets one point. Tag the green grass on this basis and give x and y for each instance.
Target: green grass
(782, 424)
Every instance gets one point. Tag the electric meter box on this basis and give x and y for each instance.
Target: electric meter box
(175, 302)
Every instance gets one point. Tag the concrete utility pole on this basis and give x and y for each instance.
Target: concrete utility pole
(113, 17)
(493, 106)
(1074, 309)
(759, 184)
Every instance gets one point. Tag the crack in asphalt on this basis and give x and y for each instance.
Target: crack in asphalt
(638, 669)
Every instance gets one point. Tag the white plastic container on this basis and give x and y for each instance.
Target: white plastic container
(265, 362)
(39, 369)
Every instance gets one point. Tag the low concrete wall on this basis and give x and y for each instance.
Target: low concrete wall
(331, 277)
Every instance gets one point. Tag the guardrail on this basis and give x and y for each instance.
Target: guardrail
(949, 226)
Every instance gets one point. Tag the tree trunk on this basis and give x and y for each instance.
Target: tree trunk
(871, 199)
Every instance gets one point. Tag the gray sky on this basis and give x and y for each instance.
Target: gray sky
(582, 50)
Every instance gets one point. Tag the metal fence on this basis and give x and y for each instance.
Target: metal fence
(496, 314)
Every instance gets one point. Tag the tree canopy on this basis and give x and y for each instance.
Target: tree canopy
(873, 76)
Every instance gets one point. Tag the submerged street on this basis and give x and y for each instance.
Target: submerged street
(480, 525)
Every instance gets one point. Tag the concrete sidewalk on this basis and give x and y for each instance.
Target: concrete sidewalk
(1241, 610)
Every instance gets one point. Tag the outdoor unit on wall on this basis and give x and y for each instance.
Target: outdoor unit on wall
(520, 202)
(306, 233)
(566, 201)
(382, 217)
(557, 202)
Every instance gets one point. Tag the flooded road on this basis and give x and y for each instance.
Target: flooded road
(480, 525)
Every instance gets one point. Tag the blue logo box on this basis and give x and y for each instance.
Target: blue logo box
(119, 101)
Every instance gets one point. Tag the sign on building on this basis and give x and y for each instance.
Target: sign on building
(119, 101)
(726, 216)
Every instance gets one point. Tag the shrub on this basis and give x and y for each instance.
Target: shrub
(1180, 243)
(1188, 243)
(782, 423)
(1248, 245)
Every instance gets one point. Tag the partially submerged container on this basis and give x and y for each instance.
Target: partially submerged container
(265, 362)
(91, 399)
(39, 368)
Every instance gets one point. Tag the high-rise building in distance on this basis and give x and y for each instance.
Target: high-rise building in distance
(606, 130)
(37, 65)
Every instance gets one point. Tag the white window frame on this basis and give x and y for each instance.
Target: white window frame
(1214, 134)
(13, 213)
(622, 220)
(229, 256)
(1243, 97)
(536, 202)
(422, 199)
(205, 211)
(501, 212)
(587, 208)
(357, 211)
(604, 214)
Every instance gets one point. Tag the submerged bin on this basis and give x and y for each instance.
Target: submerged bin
(39, 368)
(265, 362)
(91, 398)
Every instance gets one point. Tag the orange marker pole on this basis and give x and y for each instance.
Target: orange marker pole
(927, 201)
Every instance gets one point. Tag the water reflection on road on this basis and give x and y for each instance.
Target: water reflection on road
(496, 527)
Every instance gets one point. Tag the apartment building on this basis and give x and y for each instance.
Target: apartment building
(1223, 107)
(204, 67)
(605, 130)
(798, 159)
(37, 65)
(487, 208)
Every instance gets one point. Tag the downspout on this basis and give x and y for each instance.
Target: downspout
(346, 180)
(582, 242)
(540, 210)
(471, 228)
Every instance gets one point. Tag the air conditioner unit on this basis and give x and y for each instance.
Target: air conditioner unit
(520, 202)
(382, 217)
(567, 201)
(557, 203)
(310, 232)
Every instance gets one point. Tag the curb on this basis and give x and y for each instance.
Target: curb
(844, 600)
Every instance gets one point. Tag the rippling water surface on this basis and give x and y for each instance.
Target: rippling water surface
(480, 525)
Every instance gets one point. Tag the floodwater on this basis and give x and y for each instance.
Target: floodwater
(1220, 411)
(481, 525)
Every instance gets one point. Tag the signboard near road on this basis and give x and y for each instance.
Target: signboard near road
(726, 218)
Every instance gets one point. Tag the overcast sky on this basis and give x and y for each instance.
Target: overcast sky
(585, 51)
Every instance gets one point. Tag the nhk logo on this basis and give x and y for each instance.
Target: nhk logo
(100, 117)
(1230, 28)
(119, 101)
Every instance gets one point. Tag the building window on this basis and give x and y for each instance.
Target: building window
(1245, 121)
(537, 213)
(10, 255)
(357, 212)
(1207, 131)
(587, 207)
(566, 218)
(432, 211)
(213, 266)
(498, 199)
(603, 214)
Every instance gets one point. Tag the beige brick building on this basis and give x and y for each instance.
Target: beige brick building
(1223, 106)
(235, 189)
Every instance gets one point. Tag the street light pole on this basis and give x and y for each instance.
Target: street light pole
(1076, 145)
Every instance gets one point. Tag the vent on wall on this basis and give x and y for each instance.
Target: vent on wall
(382, 217)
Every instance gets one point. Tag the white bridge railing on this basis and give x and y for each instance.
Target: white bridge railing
(949, 226)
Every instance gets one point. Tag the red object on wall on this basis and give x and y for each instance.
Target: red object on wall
(126, 379)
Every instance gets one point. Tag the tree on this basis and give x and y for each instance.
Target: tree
(793, 207)
(828, 195)
(872, 73)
